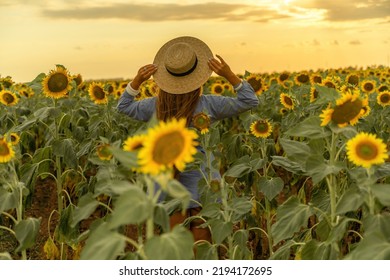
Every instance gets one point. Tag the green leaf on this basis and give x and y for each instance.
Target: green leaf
(220, 230)
(174, 245)
(374, 246)
(240, 205)
(377, 223)
(283, 252)
(161, 217)
(129, 159)
(238, 170)
(291, 216)
(9, 199)
(295, 149)
(350, 200)
(112, 187)
(310, 128)
(315, 250)
(65, 148)
(26, 232)
(103, 244)
(211, 210)
(176, 190)
(326, 95)
(382, 193)
(318, 169)
(132, 207)
(67, 233)
(288, 164)
(206, 251)
(270, 187)
(86, 206)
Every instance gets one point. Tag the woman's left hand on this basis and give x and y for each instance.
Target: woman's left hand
(143, 74)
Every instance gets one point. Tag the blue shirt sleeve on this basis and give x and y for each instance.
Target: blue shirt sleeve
(141, 110)
(220, 107)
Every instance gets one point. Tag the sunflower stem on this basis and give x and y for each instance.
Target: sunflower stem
(331, 181)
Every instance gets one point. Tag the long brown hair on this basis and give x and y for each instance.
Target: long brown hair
(177, 105)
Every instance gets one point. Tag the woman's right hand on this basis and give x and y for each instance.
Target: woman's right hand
(143, 74)
(222, 69)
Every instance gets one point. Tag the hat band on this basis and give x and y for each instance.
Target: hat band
(184, 73)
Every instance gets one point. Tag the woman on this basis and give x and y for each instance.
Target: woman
(180, 69)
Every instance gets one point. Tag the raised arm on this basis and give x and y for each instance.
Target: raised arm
(143, 109)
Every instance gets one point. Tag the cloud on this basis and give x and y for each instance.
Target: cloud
(350, 10)
(166, 12)
(355, 42)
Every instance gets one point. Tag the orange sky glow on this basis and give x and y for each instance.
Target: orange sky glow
(112, 39)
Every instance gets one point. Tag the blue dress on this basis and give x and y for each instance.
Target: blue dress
(215, 106)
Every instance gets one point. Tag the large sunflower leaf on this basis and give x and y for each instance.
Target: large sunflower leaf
(291, 216)
(174, 245)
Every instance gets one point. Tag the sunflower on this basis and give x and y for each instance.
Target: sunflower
(6, 151)
(287, 101)
(383, 98)
(228, 87)
(57, 83)
(14, 138)
(25, 91)
(383, 88)
(133, 143)
(313, 94)
(316, 79)
(366, 149)
(348, 109)
(166, 145)
(329, 82)
(6, 82)
(8, 98)
(256, 82)
(283, 111)
(284, 76)
(302, 78)
(201, 121)
(261, 128)
(103, 152)
(368, 86)
(97, 93)
(352, 79)
(78, 80)
(217, 88)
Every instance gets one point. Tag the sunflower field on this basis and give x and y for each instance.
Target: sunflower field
(305, 175)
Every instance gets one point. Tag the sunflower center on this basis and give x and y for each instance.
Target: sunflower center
(288, 100)
(57, 82)
(99, 94)
(255, 83)
(353, 80)
(168, 147)
(303, 78)
(330, 84)
(4, 150)
(218, 89)
(346, 112)
(366, 150)
(368, 86)
(317, 79)
(261, 127)
(283, 77)
(385, 98)
(8, 98)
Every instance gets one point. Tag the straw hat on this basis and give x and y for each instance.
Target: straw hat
(182, 65)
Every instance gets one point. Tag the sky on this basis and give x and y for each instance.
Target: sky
(112, 39)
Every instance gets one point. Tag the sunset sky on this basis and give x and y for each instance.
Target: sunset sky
(113, 38)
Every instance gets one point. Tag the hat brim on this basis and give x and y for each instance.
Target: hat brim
(183, 84)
